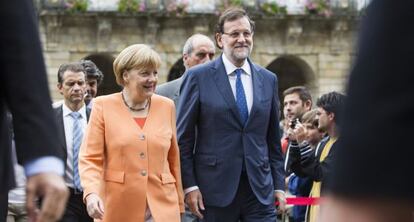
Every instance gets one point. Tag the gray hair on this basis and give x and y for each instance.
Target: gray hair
(189, 44)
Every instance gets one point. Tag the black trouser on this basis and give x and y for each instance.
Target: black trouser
(3, 205)
(75, 208)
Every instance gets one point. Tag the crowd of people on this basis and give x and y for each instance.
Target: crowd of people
(209, 146)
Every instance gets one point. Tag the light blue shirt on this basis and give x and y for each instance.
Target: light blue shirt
(46, 164)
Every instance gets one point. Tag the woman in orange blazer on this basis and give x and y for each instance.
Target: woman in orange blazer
(129, 160)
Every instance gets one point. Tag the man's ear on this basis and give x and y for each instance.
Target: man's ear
(60, 86)
(331, 116)
(218, 40)
(308, 105)
(185, 57)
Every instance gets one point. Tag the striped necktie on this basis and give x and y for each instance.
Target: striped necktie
(77, 139)
(241, 97)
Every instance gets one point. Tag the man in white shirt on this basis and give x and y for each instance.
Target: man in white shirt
(72, 118)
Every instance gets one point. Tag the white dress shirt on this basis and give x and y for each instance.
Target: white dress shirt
(68, 124)
(246, 79)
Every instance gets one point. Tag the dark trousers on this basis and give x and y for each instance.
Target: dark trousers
(244, 208)
(75, 208)
(3, 205)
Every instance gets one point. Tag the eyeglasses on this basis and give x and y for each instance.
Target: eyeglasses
(235, 35)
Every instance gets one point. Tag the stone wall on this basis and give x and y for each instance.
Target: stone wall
(322, 48)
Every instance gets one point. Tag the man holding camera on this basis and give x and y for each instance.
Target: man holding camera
(317, 163)
(296, 101)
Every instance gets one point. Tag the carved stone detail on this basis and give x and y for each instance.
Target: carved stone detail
(53, 25)
(151, 31)
(293, 32)
(339, 30)
(103, 34)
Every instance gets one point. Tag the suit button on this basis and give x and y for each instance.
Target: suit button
(142, 155)
(143, 172)
(142, 137)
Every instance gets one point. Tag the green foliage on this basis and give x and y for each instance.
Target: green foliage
(225, 4)
(128, 6)
(77, 5)
(272, 8)
(236, 2)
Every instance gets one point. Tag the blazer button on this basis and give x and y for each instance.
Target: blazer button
(142, 155)
(143, 172)
(142, 137)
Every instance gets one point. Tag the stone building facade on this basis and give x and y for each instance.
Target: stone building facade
(303, 50)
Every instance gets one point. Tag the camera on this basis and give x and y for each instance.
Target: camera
(292, 123)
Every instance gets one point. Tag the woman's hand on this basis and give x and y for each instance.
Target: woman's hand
(94, 206)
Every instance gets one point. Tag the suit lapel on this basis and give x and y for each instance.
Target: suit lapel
(222, 81)
(257, 82)
(61, 126)
(176, 94)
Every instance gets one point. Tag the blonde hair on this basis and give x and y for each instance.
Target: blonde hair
(310, 117)
(135, 56)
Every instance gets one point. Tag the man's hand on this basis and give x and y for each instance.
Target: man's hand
(54, 193)
(300, 132)
(280, 197)
(94, 206)
(194, 200)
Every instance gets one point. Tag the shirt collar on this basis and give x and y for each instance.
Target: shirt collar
(67, 111)
(230, 67)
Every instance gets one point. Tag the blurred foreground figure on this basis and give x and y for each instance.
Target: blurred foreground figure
(24, 92)
(371, 179)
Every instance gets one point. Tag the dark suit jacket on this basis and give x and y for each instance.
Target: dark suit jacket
(171, 90)
(375, 154)
(207, 106)
(24, 91)
(61, 127)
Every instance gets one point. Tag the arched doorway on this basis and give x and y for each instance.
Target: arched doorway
(104, 62)
(291, 71)
(177, 70)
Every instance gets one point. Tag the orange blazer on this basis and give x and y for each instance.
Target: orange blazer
(129, 167)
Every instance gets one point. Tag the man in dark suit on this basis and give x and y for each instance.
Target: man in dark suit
(371, 179)
(72, 118)
(198, 49)
(231, 161)
(24, 92)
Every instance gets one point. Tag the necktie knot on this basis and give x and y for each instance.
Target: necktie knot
(239, 72)
(75, 115)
